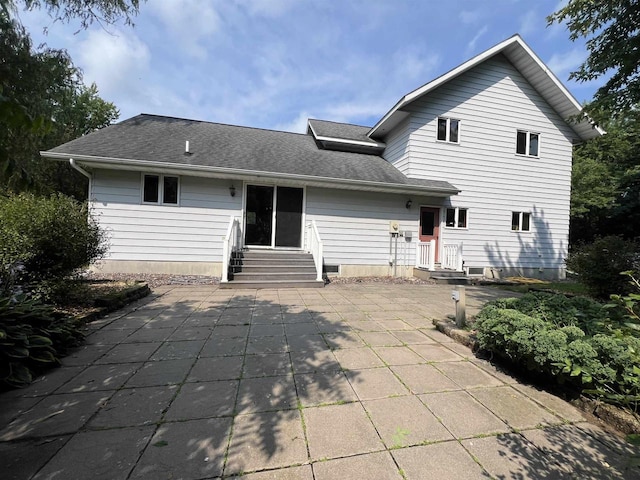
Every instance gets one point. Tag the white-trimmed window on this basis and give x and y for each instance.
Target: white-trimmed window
(448, 130)
(456, 217)
(520, 221)
(161, 189)
(527, 143)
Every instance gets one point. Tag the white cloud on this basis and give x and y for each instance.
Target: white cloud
(562, 64)
(268, 8)
(190, 22)
(469, 17)
(414, 64)
(530, 22)
(472, 44)
(113, 61)
(297, 125)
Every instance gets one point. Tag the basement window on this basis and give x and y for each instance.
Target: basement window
(160, 189)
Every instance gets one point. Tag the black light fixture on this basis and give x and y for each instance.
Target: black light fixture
(232, 190)
(408, 204)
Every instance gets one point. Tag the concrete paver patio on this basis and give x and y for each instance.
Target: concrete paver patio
(347, 382)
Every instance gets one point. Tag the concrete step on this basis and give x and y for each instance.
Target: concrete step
(271, 268)
(448, 273)
(450, 280)
(273, 255)
(265, 276)
(273, 261)
(284, 269)
(273, 284)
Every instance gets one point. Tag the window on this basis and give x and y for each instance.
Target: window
(527, 143)
(153, 193)
(448, 130)
(520, 221)
(456, 218)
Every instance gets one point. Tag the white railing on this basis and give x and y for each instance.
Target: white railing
(313, 245)
(230, 245)
(426, 255)
(452, 256)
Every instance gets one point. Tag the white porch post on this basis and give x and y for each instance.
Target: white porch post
(432, 255)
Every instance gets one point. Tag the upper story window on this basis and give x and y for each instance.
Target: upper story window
(520, 221)
(162, 189)
(456, 218)
(527, 143)
(448, 130)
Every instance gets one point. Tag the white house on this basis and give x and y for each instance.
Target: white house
(469, 172)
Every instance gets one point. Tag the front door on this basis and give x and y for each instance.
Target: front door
(430, 226)
(273, 216)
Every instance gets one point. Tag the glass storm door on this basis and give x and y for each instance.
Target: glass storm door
(289, 217)
(273, 216)
(430, 226)
(259, 220)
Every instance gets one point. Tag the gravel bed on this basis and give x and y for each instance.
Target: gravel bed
(155, 280)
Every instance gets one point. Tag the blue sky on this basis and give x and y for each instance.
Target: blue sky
(275, 63)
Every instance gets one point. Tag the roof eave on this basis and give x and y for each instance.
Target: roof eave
(585, 129)
(250, 175)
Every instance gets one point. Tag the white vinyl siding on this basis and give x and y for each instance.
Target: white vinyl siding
(493, 98)
(354, 226)
(191, 232)
(397, 150)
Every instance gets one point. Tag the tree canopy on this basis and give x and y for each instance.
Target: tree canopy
(43, 101)
(605, 195)
(612, 30)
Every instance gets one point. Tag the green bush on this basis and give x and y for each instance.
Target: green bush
(32, 336)
(590, 316)
(44, 239)
(580, 346)
(598, 265)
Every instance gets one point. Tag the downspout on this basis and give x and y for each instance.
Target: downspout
(78, 168)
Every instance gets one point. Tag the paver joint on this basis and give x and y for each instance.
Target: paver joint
(341, 383)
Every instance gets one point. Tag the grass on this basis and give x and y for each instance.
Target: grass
(524, 285)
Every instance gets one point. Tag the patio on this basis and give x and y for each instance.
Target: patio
(345, 382)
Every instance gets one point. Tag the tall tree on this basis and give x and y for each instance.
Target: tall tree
(46, 89)
(605, 192)
(43, 101)
(612, 30)
(87, 11)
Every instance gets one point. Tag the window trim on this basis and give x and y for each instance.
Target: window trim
(521, 215)
(527, 143)
(161, 177)
(448, 130)
(456, 218)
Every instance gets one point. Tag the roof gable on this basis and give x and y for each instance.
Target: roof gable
(527, 63)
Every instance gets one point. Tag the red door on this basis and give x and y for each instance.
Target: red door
(430, 226)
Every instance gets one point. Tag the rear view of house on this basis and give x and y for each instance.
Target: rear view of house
(471, 172)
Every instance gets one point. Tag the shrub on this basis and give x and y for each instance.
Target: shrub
(528, 331)
(32, 336)
(590, 316)
(599, 264)
(45, 239)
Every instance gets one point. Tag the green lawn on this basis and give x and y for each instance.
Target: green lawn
(526, 285)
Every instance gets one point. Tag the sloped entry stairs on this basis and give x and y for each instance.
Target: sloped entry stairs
(272, 269)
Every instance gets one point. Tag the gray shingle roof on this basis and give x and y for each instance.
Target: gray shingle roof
(324, 128)
(162, 139)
